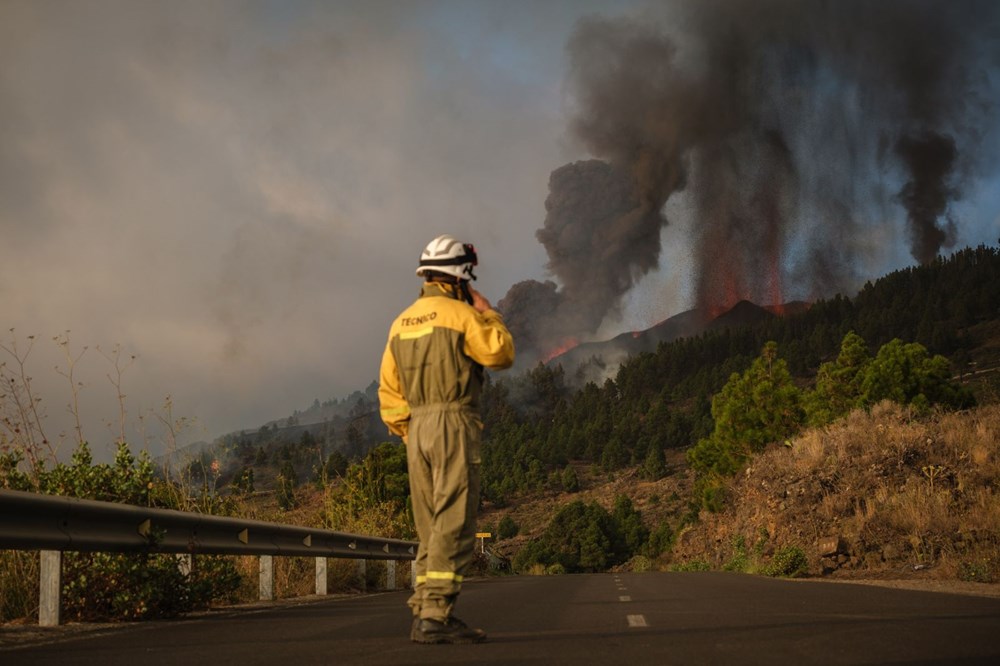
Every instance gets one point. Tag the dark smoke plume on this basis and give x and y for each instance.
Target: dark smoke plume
(601, 235)
(929, 160)
(793, 125)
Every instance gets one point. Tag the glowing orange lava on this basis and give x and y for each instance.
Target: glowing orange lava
(561, 348)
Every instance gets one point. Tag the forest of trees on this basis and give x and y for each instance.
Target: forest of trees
(838, 354)
(721, 396)
(285, 453)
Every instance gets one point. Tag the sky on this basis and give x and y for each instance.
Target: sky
(237, 193)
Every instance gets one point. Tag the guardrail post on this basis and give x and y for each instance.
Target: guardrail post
(320, 575)
(363, 574)
(266, 577)
(50, 588)
(185, 563)
(390, 574)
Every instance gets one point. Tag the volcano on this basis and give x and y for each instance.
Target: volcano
(596, 361)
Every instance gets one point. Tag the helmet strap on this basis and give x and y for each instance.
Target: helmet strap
(461, 287)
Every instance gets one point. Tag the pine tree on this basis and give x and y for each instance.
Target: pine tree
(655, 467)
(288, 480)
(760, 406)
(570, 480)
(909, 375)
(838, 383)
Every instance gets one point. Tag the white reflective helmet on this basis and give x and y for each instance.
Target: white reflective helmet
(444, 254)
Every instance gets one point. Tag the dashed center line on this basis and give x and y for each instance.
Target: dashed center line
(624, 598)
(636, 620)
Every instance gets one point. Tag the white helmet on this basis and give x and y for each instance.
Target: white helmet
(444, 254)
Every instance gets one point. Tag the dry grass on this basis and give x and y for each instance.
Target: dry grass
(19, 574)
(296, 576)
(902, 493)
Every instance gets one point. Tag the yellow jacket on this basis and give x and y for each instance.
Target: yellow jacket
(436, 352)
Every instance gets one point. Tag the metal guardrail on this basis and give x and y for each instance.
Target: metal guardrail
(53, 524)
(29, 521)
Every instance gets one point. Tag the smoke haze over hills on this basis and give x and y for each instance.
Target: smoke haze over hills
(237, 192)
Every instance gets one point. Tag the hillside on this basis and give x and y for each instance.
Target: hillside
(595, 361)
(659, 408)
(882, 493)
(318, 440)
(878, 495)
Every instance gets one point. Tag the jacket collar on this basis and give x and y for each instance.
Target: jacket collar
(438, 289)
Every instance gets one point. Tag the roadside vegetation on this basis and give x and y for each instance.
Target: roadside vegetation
(368, 499)
(860, 437)
(367, 495)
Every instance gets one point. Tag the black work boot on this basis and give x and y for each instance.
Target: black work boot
(451, 630)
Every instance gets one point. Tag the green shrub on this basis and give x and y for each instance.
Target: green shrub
(693, 565)
(654, 467)
(533, 553)
(120, 586)
(979, 571)
(640, 563)
(788, 561)
(740, 561)
(507, 528)
(213, 578)
(660, 541)
(585, 538)
(628, 520)
(709, 493)
(570, 480)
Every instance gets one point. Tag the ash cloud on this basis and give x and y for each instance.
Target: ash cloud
(794, 126)
(929, 159)
(601, 235)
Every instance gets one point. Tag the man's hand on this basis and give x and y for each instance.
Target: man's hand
(479, 301)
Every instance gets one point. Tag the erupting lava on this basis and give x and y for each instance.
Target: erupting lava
(793, 128)
(560, 349)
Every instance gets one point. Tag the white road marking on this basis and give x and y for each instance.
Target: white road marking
(637, 620)
(625, 598)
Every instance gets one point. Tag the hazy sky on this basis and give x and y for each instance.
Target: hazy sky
(238, 192)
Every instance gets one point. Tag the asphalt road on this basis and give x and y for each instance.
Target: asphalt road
(633, 619)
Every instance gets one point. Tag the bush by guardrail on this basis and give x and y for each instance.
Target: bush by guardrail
(52, 524)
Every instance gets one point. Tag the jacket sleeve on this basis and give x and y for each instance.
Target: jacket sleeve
(488, 342)
(393, 407)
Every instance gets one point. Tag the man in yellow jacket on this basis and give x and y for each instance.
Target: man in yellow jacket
(429, 387)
